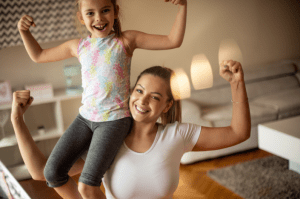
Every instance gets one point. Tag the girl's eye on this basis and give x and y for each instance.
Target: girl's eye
(106, 10)
(89, 13)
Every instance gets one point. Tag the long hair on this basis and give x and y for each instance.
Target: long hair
(174, 113)
(117, 23)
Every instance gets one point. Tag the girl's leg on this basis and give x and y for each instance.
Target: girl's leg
(65, 153)
(106, 141)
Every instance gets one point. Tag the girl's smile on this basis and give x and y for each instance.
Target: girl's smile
(98, 17)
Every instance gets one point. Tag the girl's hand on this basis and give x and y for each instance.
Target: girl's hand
(25, 23)
(177, 2)
(21, 102)
(231, 71)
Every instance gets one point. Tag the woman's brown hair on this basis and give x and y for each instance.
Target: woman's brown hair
(117, 22)
(174, 113)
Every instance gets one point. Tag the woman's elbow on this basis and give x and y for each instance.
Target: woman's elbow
(38, 177)
(245, 135)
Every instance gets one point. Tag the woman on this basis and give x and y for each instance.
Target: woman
(147, 164)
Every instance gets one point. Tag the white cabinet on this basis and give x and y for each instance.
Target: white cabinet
(47, 112)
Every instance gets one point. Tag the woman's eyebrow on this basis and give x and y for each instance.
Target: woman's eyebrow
(151, 92)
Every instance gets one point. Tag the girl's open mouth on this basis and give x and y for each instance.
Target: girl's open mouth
(100, 27)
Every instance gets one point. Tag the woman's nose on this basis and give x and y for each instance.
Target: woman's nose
(144, 100)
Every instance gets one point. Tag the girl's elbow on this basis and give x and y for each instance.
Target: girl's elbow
(35, 60)
(177, 44)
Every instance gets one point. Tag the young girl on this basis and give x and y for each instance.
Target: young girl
(104, 119)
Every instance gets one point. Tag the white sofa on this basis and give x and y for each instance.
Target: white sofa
(273, 93)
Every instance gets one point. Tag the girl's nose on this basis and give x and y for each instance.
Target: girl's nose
(98, 17)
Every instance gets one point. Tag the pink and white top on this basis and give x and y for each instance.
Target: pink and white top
(105, 78)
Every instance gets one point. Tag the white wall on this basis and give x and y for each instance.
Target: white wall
(265, 31)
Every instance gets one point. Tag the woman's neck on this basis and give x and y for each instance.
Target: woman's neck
(143, 129)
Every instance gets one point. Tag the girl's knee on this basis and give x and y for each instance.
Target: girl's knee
(54, 177)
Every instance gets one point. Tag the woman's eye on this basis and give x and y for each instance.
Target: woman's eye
(156, 98)
(138, 90)
(89, 13)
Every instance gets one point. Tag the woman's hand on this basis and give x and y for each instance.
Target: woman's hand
(177, 2)
(21, 102)
(231, 71)
(25, 23)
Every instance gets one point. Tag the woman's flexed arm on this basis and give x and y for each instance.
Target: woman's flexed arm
(34, 50)
(34, 159)
(213, 138)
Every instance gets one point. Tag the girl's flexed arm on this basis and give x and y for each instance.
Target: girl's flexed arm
(39, 55)
(142, 40)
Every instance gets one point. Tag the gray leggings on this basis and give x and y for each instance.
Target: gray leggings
(101, 139)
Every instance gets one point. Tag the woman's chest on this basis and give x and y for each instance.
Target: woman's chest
(143, 177)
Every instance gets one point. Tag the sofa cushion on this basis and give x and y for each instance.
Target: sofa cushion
(221, 115)
(222, 95)
(211, 97)
(269, 71)
(257, 89)
(286, 102)
(191, 113)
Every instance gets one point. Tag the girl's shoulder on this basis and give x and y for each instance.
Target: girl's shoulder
(127, 40)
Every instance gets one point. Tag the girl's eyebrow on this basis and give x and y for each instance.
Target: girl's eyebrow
(91, 9)
(151, 92)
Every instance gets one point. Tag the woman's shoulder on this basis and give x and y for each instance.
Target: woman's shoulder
(182, 129)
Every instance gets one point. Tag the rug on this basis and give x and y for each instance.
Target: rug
(265, 178)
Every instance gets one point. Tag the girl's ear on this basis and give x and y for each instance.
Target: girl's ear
(169, 105)
(79, 17)
(117, 8)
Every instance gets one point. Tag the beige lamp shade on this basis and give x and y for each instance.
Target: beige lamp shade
(180, 85)
(201, 72)
(229, 49)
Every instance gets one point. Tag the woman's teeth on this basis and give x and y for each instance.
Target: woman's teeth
(139, 109)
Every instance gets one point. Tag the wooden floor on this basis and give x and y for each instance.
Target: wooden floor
(193, 184)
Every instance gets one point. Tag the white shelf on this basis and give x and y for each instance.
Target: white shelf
(11, 140)
(56, 132)
(59, 95)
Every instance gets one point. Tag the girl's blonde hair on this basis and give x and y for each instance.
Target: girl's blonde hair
(117, 22)
(174, 113)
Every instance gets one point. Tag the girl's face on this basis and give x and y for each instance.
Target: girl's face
(98, 16)
(149, 99)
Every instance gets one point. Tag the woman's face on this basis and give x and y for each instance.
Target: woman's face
(149, 99)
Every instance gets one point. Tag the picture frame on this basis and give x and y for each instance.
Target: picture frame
(9, 186)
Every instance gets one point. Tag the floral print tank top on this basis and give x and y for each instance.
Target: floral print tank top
(105, 70)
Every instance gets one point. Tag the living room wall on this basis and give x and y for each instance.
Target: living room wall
(265, 31)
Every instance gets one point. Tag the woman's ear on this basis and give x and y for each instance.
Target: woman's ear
(169, 105)
(79, 17)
